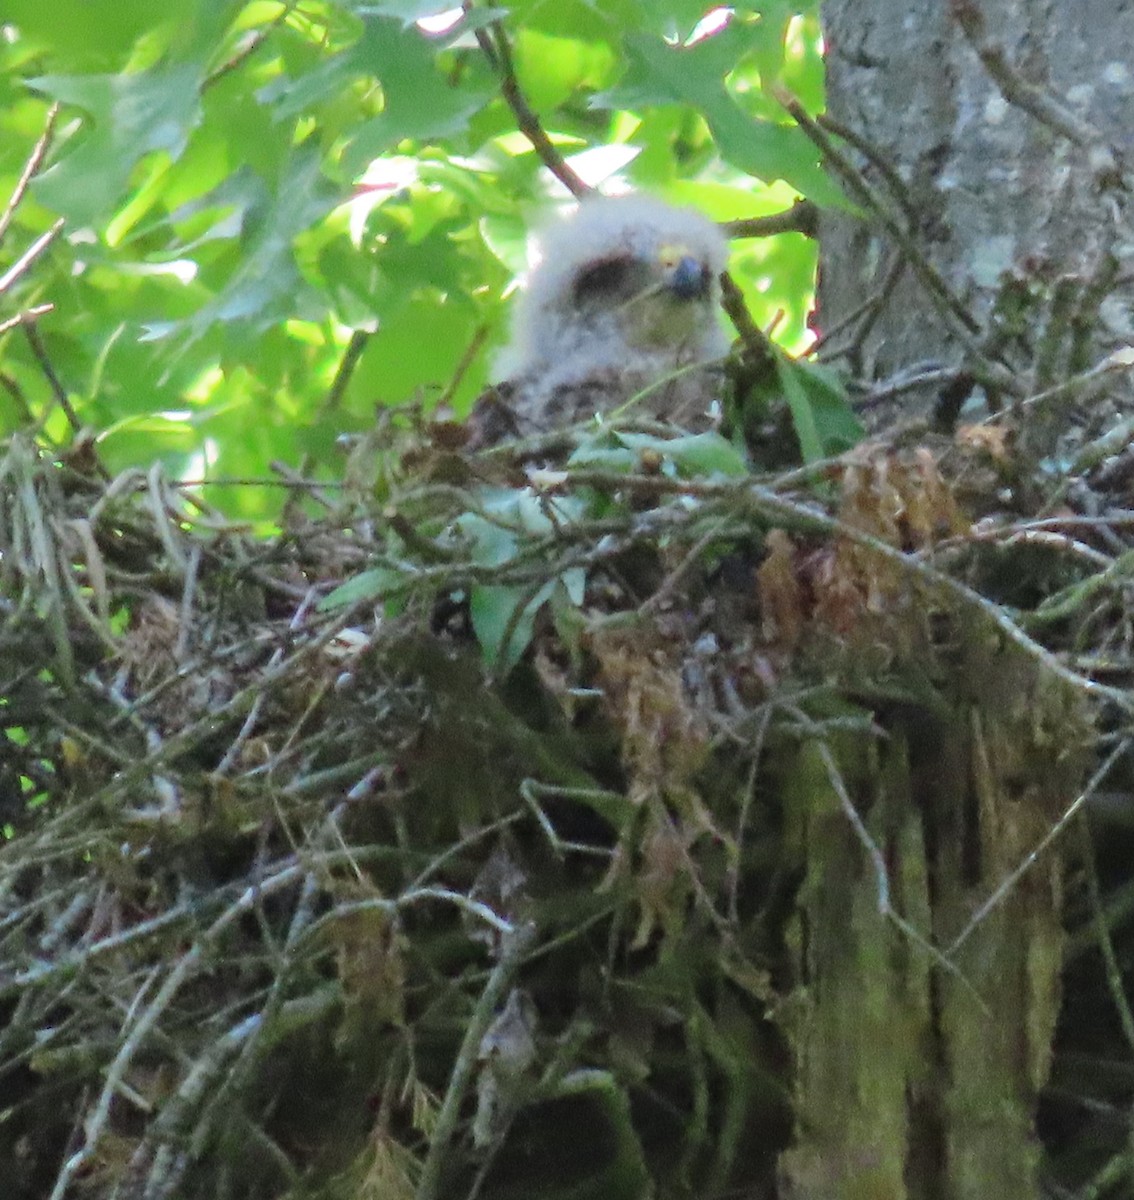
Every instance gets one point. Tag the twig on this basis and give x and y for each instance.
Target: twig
(514, 944)
(1014, 876)
(1078, 386)
(800, 511)
(166, 1167)
(116, 1073)
(467, 359)
(868, 313)
(57, 388)
(1014, 87)
(21, 461)
(513, 947)
(499, 53)
(252, 43)
(802, 217)
(897, 264)
(185, 611)
(1006, 537)
(18, 398)
(938, 377)
(24, 262)
(26, 317)
(31, 169)
(689, 560)
(769, 504)
(532, 791)
(877, 159)
(234, 481)
(874, 313)
(960, 320)
(164, 527)
(345, 371)
(759, 350)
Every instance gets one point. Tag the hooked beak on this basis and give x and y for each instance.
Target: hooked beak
(685, 276)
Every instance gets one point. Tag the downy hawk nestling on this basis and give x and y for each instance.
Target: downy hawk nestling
(620, 304)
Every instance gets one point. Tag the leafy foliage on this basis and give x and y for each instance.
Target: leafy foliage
(280, 216)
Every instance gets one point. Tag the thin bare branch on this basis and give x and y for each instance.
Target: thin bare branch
(1009, 882)
(498, 51)
(31, 169)
(476, 344)
(250, 43)
(877, 159)
(802, 217)
(514, 946)
(346, 368)
(24, 262)
(960, 320)
(758, 348)
(1017, 90)
(27, 316)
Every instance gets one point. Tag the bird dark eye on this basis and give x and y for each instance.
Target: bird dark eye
(602, 278)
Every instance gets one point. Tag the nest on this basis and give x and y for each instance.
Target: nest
(417, 846)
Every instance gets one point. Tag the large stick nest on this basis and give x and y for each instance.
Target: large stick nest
(433, 846)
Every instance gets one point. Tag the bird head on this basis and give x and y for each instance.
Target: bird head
(619, 281)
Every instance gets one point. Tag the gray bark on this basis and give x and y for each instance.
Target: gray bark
(1024, 213)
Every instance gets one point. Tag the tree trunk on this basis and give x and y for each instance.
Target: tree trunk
(1014, 191)
(918, 1067)
(918, 1071)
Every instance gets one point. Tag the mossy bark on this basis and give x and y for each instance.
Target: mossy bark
(918, 1064)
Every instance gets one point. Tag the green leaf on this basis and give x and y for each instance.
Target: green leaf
(574, 581)
(697, 454)
(420, 102)
(550, 69)
(130, 116)
(693, 75)
(504, 615)
(98, 34)
(262, 285)
(366, 586)
(393, 369)
(503, 622)
(600, 455)
(824, 421)
(492, 544)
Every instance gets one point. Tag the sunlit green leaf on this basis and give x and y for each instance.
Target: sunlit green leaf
(419, 101)
(660, 74)
(551, 69)
(264, 283)
(130, 116)
(97, 35)
(217, 256)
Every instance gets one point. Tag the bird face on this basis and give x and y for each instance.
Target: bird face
(648, 296)
(621, 295)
